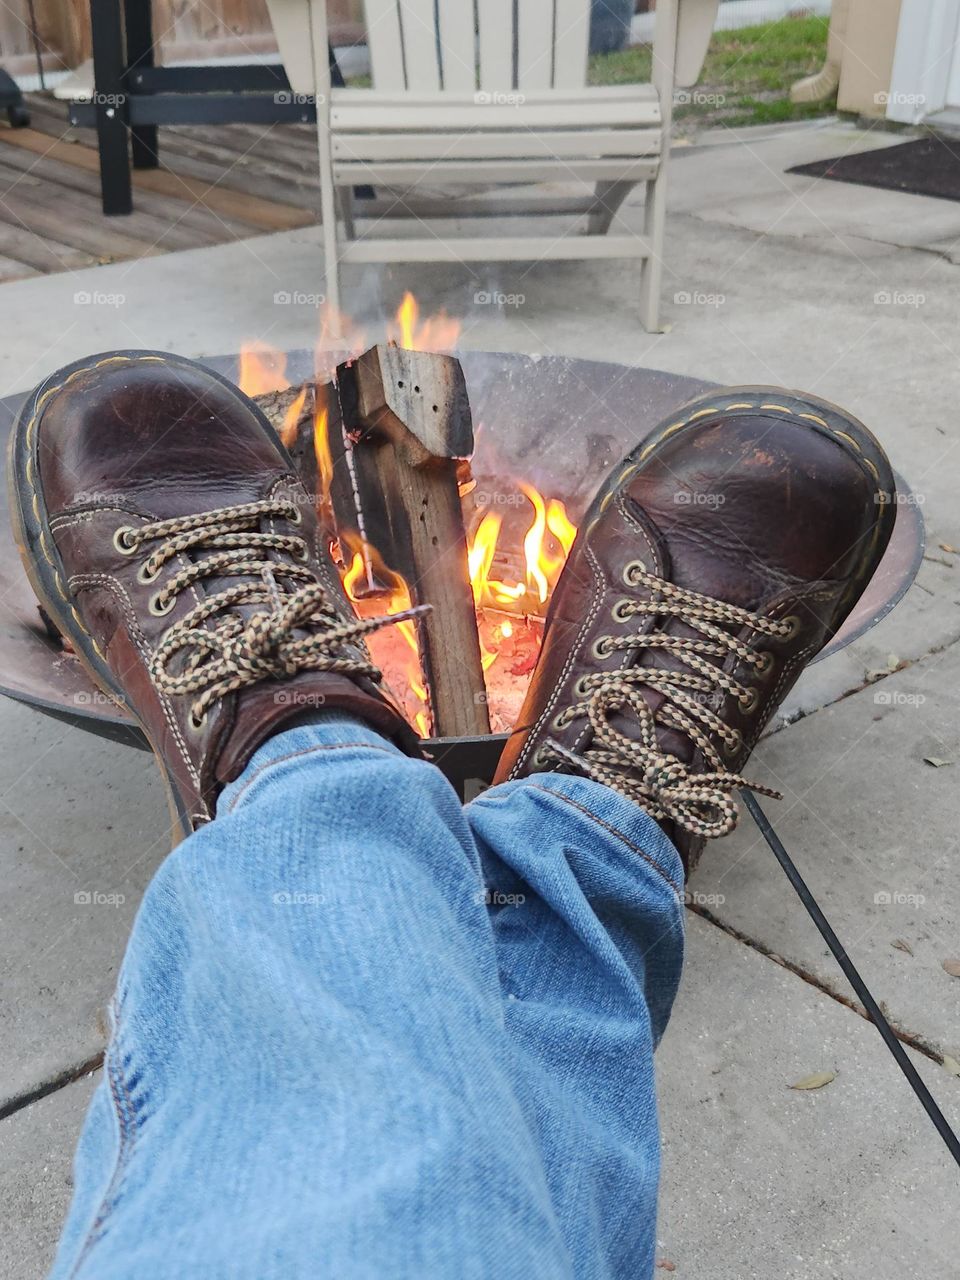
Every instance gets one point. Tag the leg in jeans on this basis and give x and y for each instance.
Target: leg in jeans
(335, 1052)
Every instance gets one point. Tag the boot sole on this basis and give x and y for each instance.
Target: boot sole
(41, 559)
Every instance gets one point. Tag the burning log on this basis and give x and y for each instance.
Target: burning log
(406, 423)
(365, 466)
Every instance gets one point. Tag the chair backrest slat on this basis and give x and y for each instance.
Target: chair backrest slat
(571, 40)
(430, 45)
(458, 46)
(385, 42)
(496, 45)
(534, 44)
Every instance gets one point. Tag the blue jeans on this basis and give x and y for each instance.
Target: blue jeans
(363, 1031)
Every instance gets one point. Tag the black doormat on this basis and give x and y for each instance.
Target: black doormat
(926, 167)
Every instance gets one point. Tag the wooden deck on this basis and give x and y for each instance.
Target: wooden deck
(216, 184)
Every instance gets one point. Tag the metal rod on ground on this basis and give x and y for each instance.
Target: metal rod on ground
(853, 977)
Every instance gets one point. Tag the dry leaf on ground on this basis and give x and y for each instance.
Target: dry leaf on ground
(816, 1081)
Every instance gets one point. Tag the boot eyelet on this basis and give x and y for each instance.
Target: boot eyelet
(197, 723)
(145, 577)
(158, 609)
(539, 757)
(302, 553)
(562, 719)
(793, 622)
(602, 647)
(581, 688)
(629, 570)
(765, 663)
(622, 611)
(297, 517)
(749, 704)
(122, 540)
(731, 748)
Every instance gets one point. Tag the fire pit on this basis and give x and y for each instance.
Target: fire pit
(546, 432)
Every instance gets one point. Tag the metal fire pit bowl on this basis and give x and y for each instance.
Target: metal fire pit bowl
(558, 422)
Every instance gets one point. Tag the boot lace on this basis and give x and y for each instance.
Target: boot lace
(302, 630)
(638, 767)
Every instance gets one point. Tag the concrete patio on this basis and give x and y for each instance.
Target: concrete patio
(845, 291)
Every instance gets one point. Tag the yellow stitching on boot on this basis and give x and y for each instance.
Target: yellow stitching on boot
(702, 413)
(782, 407)
(842, 435)
(813, 418)
(742, 404)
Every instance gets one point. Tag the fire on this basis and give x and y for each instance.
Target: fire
(262, 368)
(321, 445)
(546, 545)
(376, 589)
(509, 608)
(288, 432)
(439, 332)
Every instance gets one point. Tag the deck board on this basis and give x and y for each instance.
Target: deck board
(216, 184)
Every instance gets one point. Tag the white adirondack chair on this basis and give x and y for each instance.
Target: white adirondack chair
(499, 99)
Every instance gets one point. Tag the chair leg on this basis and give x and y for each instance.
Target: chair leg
(608, 197)
(651, 272)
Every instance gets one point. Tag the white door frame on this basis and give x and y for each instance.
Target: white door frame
(923, 59)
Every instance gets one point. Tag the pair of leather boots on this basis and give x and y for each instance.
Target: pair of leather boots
(169, 538)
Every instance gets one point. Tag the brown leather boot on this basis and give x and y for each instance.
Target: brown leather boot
(715, 562)
(167, 535)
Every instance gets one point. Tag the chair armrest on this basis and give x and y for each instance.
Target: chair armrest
(695, 22)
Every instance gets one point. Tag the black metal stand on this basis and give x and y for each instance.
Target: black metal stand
(11, 101)
(132, 96)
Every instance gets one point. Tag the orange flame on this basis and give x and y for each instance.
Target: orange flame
(262, 368)
(321, 445)
(288, 432)
(438, 332)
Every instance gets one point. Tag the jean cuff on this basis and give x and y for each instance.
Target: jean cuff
(326, 731)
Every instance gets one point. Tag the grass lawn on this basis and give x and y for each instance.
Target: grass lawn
(746, 78)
